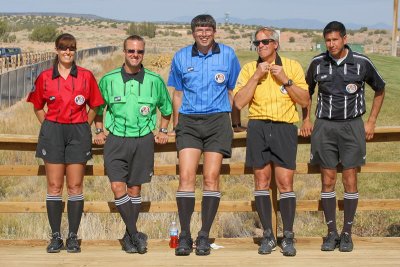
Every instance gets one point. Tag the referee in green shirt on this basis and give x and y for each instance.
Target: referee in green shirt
(132, 95)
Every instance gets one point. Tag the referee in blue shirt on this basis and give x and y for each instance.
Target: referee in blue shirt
(203, 75)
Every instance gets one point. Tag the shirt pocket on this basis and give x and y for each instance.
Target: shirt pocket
(117, 104)
(352, 84)
(191, 78)
(146, 105)
(79, 99)
(325, 83)
(220, 74)
(53, 100)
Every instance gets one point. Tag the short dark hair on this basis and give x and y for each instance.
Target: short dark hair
(203, 20)
(335, 26)
(134, 37)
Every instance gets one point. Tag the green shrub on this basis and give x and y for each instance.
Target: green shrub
(143, 29)
(3, 28)
(46, 33)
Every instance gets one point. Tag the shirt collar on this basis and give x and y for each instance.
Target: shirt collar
(278, 60)
(214, 50)
(56, 73)
(126, 77)
(348, 60)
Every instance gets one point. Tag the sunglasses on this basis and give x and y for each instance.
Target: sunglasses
(263, 41)
(132, 51)
(65, 48)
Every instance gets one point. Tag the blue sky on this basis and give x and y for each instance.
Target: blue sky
(365, 12)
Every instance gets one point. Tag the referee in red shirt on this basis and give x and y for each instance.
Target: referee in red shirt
(65, 139)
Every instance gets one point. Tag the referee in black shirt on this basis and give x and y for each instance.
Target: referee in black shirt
(339, 134)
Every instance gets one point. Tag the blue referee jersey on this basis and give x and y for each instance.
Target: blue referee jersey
(204, 79)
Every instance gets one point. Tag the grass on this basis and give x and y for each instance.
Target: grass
(163, 188)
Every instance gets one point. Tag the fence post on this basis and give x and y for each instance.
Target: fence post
(9, 89)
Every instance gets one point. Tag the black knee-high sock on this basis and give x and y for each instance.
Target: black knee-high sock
(124, 207)
(287, 206)
(136, 204)
(75, 210)
(54, 212)
(209, 208)
(350, 206)
(185, 202)
(328, 201)
(263, 207)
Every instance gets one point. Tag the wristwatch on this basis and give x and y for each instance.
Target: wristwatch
(163, 130)
(98, 130)
(288, 83)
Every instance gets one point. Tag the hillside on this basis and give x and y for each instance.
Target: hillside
(95, 31)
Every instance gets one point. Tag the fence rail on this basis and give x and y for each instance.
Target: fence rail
(28, 143)
(15, 84)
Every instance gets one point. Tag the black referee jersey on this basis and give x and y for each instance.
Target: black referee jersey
(341, 88)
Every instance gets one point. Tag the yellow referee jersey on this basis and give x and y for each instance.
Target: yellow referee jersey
(271, 101)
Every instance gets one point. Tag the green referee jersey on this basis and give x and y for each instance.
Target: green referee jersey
(131, 102)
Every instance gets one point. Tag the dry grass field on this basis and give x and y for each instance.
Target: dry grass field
(158, 56)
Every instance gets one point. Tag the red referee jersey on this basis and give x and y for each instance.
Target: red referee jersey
(66, 99)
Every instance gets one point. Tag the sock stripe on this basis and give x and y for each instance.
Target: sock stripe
(75, 197)
(185, 194)
(122, 200)
(212, 194)
(287, 195)
(136, 200)
(53, 198)
(258, 193)
(328, 194)
(351, 195)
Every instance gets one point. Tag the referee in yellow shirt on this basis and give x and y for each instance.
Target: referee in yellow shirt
(272, 85)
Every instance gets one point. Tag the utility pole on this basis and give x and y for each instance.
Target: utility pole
(394, 31)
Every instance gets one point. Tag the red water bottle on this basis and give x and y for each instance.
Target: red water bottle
(173, 235)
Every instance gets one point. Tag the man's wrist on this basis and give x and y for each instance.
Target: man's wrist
(163, 130)
(98, 130)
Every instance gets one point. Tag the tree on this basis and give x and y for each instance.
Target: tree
(291, 39)
(143, 29)
(46, 33)
(3, 28)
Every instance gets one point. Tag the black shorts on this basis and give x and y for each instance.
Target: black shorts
(209, 133)
(129, 159)
(334, 142)
(269, 141)
(64, 143)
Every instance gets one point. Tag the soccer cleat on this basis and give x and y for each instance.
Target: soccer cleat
(203, 247)
(331, 241)
(346, 243)
(185, 245)
(268, 243)
(140, 241)
(127, 244)
(288, 248)
(72, 243)
(56, 243)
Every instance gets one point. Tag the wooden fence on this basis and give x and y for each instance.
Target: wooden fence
(23, 59)
(28, 143)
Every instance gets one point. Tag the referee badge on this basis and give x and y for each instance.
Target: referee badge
(283, 90)
(79, 100)
(351, 88)
(144, 110)
(219, 77)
